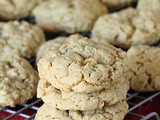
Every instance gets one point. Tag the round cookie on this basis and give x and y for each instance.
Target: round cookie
(18, 81)
(80, 101)
(144, 63)
(83, 66)
(115, 112)
(118, 3)
(128, 27)
(54, 44)
(148, 4)
(15, 9)
(20, 38)
(68, 15)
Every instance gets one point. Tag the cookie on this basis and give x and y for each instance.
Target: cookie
(68, 15)
(80, 101)
(117, 3)
(144, 63)
(83, 66)
(15, 9)
(115, 112)
(128, 27)
(54, 44)
(148, 4)
(18, 81)
(20, 38)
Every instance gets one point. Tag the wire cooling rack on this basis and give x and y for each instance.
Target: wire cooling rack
(134, 99)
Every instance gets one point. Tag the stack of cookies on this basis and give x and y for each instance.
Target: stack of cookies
(83, 80)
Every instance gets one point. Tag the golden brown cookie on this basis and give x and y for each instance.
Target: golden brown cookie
(18, 81)
(115, 112)
(83, 66)
(128, 27)
(20, 38)
(144, 63)
(82, 101)
(68, 15)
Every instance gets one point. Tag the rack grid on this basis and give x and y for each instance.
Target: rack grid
(134, 99)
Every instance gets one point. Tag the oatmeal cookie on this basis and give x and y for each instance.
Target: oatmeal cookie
(115, 112)
(128, 27)
(20, 38)
(80, 101)
(144, 63)
(18, 81)
(83, 66)
(68, 15)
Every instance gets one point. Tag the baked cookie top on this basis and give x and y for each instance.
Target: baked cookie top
(68, 15)
(12, 9)
(148, 4)
(128, 27)
(144, 63)
(18, 81)
(83, 66)
(20, 38)
(115, 112)
(55, 44)
(82, 101)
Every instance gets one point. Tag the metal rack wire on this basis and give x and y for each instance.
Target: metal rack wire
(131, 98)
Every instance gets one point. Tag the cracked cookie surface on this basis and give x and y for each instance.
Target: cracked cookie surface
(54, 44)
(12, 9)
(83, 66)
(128, 27)
(20, 38)
(68, 15)
(144, 63)
(81, 101)
(18, 81)
(115, 112)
